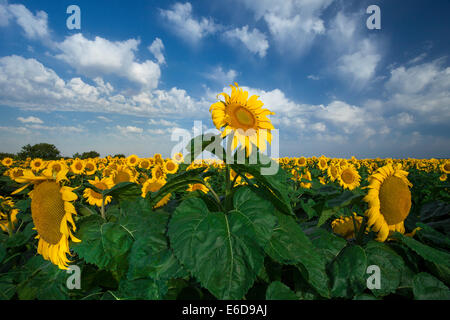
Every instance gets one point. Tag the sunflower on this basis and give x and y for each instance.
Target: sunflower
(122, 174)
(389, 200)
(323, 163)
(171, 166)
(95, 198)
(158, 159)
(306, 176)
(349, 177)
(445, 167)
(8, 214)
(37, 164)
(244, 119)
(78, 166)
(443, 177)
(15, 173)
(198, 186)
(144, 164)
(345, 226)
(301, 162)
(51, 211)
(90, 167)
(7, 162)
(158, 172)
(153, 185)
(133, 160)
(332, 172)
(56, 166)
(178, 157)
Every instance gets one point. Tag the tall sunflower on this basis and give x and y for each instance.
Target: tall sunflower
(389, 200)
(243, 118)
(52, 211)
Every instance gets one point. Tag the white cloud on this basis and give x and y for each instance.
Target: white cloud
(313, 77)
(35, 26)
(156, 48)
(103, 118)
(103, 57)
(28, 84)
(405, 118)
(59, 129)
(255, 41)
(222, 76)
(184, 24)
(30, 119)
(129, 130)
(162, 122)
(293, 24)
(354, 55)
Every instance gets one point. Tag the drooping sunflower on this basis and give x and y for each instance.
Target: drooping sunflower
(7, 162)
(349, 177)
(122, 174)
(345, 227)
(333, 172)
(389, 200)
(243, 118)
(170, 166)
(52, 211)
(153, 185)
(95, 198)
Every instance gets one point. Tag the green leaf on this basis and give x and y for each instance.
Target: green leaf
(328, 243)
(150, 255)
(224, 252)
(289, 245)
(177, 182)
(348, 272)
(202, 142)
(344, 199)
(427, 287)
(272, 187)
(141, 289)
(426, 252)
(431, 235)
(40, 279)
(103, 244)
(7, 287)
(325, 215)
(279, 291)
(2, 252)
(391, 267)
(124, 191)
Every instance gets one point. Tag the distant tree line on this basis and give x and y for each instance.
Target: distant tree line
(46, 151)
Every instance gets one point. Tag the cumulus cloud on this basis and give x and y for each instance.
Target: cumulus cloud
(28, 84)
(156, 48)
(30, 119)
(222, 76)
(292, 24)
(185, 25)
(100, 56)
(34, 26)
(255, 41)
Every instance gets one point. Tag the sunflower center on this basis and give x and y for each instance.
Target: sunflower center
(333, 171)
(347, 176)
(47, 211)
(170, 166)
(244, 117)
(89, 166)
(57, 167)
(78, 166)
(395, 200)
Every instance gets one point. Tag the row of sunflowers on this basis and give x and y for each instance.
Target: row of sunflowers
(177, 228)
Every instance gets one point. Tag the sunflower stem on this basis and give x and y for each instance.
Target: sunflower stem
(228, 188)
(103, 207)
(361, 230)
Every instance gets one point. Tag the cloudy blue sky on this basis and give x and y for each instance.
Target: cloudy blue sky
(138, 69)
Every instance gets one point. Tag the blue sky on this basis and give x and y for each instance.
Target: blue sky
(133, 73)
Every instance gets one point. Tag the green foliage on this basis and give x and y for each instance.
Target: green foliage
(44, 151)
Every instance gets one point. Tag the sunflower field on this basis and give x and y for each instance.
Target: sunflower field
(181, 228)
